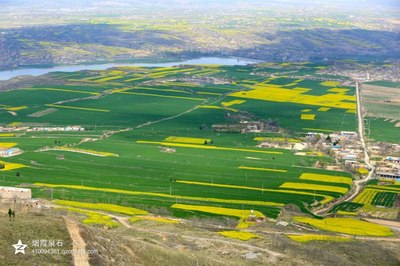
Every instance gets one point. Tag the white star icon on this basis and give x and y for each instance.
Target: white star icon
(19, 247)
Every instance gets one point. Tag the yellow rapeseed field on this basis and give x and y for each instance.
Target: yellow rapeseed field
(90, 152)
(318, 129)
(384, 188)
(218, 107)
(262, 169)
(241, 214)
(307, 117)
(234, 102)
(94, 218)
(188, 140)
(276, 93)
(11, 166)
(7, 145)
(209, 147)
(14, 124)
(326, 178)
(315, 153)
(315, 237)
(347, 226)
(102, 207)
(162, 195)
(78, 108)
(108, 78)
(325, 200)
(244, 236)
(154, 219)
(7, 135)
(306, 186)
(168, 71)
(366, 196)
(346, 213)
(330, 83)
(363, 171)
(16, 108)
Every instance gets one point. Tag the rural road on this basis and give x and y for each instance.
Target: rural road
(358, 184)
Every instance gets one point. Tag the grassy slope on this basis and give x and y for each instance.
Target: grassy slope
(29, 227)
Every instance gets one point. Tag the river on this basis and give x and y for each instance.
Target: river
(8, 74)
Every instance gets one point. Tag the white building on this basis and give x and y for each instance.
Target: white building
(348, 134)
(392, 159)
(15, 193)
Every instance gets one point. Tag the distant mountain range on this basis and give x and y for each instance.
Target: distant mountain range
(60, 32)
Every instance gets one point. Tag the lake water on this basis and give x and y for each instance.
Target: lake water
(7, 74)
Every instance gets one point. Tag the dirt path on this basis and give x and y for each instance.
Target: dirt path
(392, 224)
(124, 221)
(78, 244)
(178, 115)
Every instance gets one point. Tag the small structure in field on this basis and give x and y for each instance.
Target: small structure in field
(167, 149)
(15, 193)
(10, 152)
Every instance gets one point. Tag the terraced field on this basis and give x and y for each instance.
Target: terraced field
(149, 142)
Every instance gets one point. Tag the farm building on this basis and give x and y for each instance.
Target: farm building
(388, 175)
(392, 159)
(313, 134)
(227, 128)
(351, 157)
(15, 193)
(10, 152)
(351, 134)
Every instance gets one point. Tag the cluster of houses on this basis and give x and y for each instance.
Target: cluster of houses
(389, 167)
(51, 129)
(241, 127)
(13, 129)
(46, 129)
(344, 146)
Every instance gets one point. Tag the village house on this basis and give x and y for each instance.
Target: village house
(15, 193)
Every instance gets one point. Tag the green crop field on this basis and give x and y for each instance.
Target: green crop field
(384, 199)
(382, 130)
(347, 207)
(125, 155)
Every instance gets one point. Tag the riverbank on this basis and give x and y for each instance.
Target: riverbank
(37, 71)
